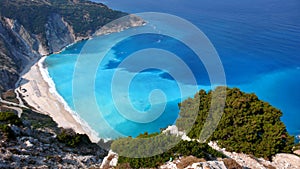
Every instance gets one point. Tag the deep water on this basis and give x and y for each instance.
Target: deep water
(258, 43)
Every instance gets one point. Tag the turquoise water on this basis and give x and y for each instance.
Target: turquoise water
(258, 43)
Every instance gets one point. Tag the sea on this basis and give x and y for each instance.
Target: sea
(257, 41)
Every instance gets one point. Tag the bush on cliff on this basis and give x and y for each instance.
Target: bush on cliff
(248, 124)
(10, 118)
(183, 148)
(6, 120)
(72, 139)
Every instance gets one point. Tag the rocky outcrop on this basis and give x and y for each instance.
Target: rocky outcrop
(110, 161)
(25, 146)
(20, 49)
(233, 160)
(193, 163)
(8, 79)
(282, 160)
(58, 33)
(120, 25)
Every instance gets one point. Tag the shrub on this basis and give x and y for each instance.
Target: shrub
(72, 139)
(10, 118)
(183, 148)
(248, 124)
(5, 129)
(38, 120)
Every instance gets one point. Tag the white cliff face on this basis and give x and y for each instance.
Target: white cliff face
(58, 34)
(20, 49)
(23, 48)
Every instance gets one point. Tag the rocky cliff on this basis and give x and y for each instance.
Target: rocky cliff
(35, 141)
(30, 29)
(58, 33)
(18, 49)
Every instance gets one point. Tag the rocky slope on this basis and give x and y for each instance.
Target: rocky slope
(30, 29)
(35, 141)
(233, 160)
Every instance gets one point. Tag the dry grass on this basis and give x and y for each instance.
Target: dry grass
(10, 95)
(186, 161)
(231, 164)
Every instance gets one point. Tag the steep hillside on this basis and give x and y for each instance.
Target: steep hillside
(29, 29)
(34, 140)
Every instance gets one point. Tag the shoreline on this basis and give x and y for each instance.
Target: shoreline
(41, 94)
(40, 91)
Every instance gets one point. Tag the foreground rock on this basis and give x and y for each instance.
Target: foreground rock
(282, 160)
(110, 161)
(46, 145)
(234, 160)
(193, 163)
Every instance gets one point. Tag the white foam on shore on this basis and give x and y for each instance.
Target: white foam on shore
(93, 135)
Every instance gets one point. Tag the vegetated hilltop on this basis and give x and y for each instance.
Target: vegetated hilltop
(248, 125)
(29, 29)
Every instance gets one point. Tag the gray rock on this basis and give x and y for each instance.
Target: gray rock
(15, 129)
(57, 33)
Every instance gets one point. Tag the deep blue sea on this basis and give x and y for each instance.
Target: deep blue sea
(258, 42)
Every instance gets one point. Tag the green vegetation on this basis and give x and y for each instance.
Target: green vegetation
(248, 124)
(183, 148)
(6, 130)
(37, 120)
(144, 146)
(84, 16)
(147, 135)
(72, 139)
(10, 118)
(7, 119)
(87, 17)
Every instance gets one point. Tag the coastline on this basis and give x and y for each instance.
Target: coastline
(39, 91)
(41, 94)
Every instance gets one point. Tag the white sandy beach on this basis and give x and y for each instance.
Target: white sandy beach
(43, 98)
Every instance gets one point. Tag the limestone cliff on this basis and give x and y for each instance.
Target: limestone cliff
(58, 33)
(30, 29)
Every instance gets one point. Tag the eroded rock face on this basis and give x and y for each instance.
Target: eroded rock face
(19, 49)
(58, 33)
(8, 78)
